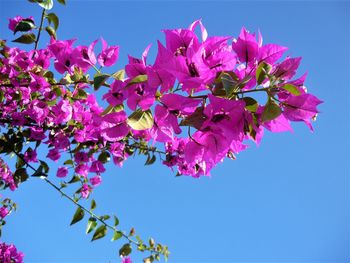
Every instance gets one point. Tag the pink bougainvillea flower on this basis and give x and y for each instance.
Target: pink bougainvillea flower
(246, 46)
(280, 124)
(225, 116)
(3, 212)
(287, 69)
(86, 56)
(115, 96)
(30, 156)
(61, 112)
(270, 53)
(82, 169)
(10, 254)
(96, 180)
(158, 75)
(301, 108)
(85, 191)
(204, 32)
(97, 167)
(113, 126)
(126, 260)
(109, 54)
(65, 58)
(37, 133)
(62, 172)
(205, 150)
(54, 155)
(165, 124)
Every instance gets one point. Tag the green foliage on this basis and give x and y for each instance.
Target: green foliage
(100, 232)
(140, 120)
(91, 225)
(262, 72)
(25, 39)
(99, 80)
(291, 89)
(138, 79)
(52, 18)
(78, 215)
(116, 235)
(24, 26)
(271, 111)
(125, 250)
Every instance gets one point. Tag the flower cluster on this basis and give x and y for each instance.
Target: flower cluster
(10, 254)
(6, 176)
(192, 99)
(195, 105)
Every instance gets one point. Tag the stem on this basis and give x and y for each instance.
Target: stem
(89, 212)
(40, 28)
(44, 177)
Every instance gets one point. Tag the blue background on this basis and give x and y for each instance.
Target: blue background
(286, 200)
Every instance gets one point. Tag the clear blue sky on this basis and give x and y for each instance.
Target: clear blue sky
(287, 200)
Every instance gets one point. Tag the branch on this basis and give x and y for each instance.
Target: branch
(44, 176)
(40, 29)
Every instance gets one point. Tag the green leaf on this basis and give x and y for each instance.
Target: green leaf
(68, 162)
(140, 120)
(2, 96)
(51, 31)
(62, 2)
(125, 250)
(93, 205)
(262, 72)
(116, 235)
(120, 75)
(104, 157)
(150, 160)
(24, 26)
(228, 84)
(91, 225)
(99, 80)
(81, 94)
(292, 89)
(78, 215)
(137, 79)
(100, 232)
(46, 4)
(271, 111)
(53, 18)
(44, 166)
(20, 176)
(74, 179)
(116, 221)
(25, 39)
(251, 104)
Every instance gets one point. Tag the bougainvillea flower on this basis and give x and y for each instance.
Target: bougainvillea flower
(165, 124)
(10, 254)
(113, 126)
(180, 104)
(115, 95)
(205, 150)
(246, 46)
(288, 68)
(270, 53)
(62, 50)
(301, 108)
(86, 56)
(62, 172)
(109, 54)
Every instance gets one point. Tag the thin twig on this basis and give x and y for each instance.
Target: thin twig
(40, 28)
